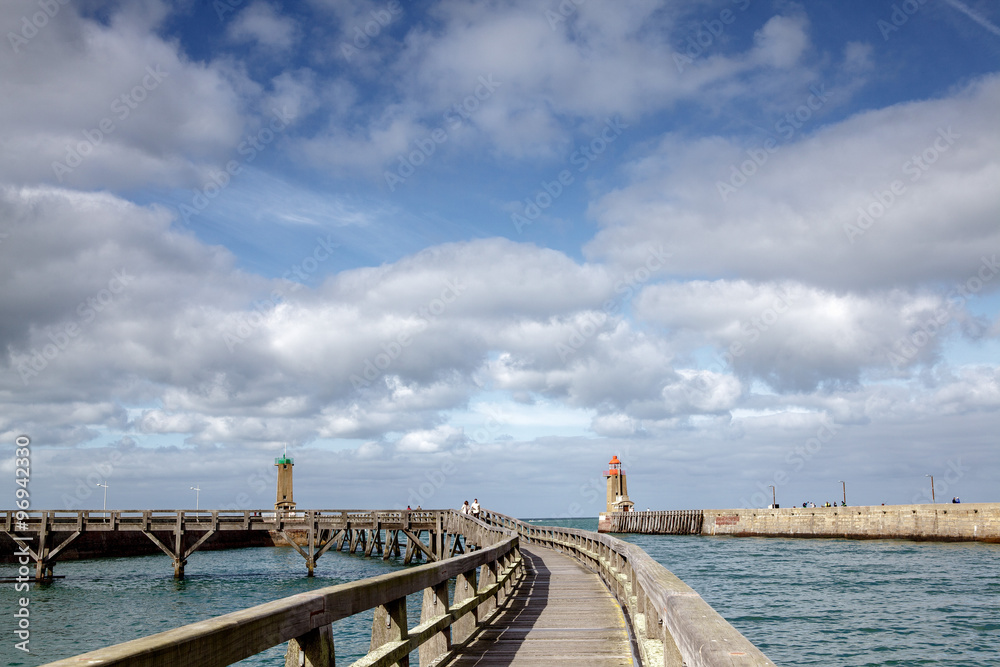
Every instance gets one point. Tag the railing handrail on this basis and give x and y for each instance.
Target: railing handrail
(235, 636)
(647, 589)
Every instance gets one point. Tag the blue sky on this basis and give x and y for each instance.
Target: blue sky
(445, 250)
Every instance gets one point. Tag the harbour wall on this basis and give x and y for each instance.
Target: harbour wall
(959, 522)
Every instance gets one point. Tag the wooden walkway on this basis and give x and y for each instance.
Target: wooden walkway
(561, 614)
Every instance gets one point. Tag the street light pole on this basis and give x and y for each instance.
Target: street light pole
(933, 499)
(105, 485)
(774, 501)
(845, 491)
(197, 497)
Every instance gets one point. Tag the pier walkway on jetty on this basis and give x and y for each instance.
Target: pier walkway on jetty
(498, 592)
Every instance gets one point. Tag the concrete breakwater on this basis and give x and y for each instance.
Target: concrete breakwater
(961, 522)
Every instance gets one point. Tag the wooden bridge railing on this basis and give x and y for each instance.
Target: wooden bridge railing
(304, 620)
(673, 625)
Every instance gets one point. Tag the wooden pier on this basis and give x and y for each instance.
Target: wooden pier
(521, 594)
(45, 535)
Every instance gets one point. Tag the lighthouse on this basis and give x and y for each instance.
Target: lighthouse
(617, 494)
(284, 500)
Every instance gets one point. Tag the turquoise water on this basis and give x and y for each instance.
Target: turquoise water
(844, 602)
(111, 600)
(803, 602)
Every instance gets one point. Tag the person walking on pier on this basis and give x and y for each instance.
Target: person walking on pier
(474, 509)
(465, 508)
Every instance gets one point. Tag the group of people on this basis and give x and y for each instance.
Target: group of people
(473, 509)
(828, 504)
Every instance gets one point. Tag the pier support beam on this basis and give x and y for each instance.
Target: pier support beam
(313, 649)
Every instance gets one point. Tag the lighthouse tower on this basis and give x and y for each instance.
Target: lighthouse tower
(617, 494)
(284, 500)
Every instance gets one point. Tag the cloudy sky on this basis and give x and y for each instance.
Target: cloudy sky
(448, 249)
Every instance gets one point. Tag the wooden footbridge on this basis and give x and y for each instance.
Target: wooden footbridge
(497, 591)
(46, 535)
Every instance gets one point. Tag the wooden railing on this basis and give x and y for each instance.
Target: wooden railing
(673, 625)
(304, 620)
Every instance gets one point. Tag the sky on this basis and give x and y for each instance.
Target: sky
(439, 251)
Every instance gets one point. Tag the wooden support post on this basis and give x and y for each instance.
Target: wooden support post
(487, 577)
(391, 543)
(410, 549)
(42, 548)
(311, 558)
(465, 588)
(389, 625)
(179, 560)
(435, 605)
(313, 649)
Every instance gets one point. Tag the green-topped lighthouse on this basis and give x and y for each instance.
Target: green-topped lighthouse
(284, 500)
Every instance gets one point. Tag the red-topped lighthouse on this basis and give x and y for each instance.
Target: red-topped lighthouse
(617, 492)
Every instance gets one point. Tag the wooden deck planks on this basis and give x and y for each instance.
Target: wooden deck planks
(562, 614)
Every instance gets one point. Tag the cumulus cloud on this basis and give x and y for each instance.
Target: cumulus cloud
(797, 337)
(98, 104)
(263, 24)
(820, 207)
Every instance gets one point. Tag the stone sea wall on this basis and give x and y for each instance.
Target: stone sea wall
(943, 522)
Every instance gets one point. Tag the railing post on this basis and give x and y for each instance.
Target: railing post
(465, 588)
(389, 625)
(487, 577)
(313, 649)
(435, 605)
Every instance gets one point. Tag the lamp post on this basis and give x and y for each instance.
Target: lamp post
(845, 491)
(105, 485)
(933, 499)
(774, 501)
(197, 497)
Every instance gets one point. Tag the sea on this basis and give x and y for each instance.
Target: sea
(826, 602)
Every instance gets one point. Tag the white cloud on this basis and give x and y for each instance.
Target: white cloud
(263, 23)
(114, 104)
(796, 215)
